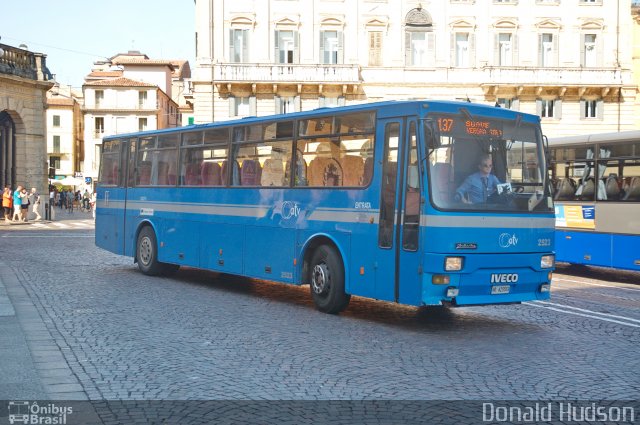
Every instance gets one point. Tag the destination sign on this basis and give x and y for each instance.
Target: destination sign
(455, 125)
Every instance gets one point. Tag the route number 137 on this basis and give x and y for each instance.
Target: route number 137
(445, 124)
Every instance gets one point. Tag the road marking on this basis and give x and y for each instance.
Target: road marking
(582, 314)
(594, 284)
(590, 311)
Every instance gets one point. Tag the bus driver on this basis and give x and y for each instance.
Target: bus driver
(479, 186)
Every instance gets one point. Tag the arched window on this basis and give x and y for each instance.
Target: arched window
(419, 41)
(7, 150)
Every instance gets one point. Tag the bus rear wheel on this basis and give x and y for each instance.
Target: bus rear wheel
(147, 255)
(326, 279)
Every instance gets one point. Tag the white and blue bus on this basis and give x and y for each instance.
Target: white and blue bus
(356, 200)
(596, 179)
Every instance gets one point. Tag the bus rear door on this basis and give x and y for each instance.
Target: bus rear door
(398, 254)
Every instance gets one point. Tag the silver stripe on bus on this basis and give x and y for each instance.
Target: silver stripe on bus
(342, 215)
(500, 222)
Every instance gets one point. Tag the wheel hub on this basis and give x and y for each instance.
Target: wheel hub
(145, 251)
(320, 279)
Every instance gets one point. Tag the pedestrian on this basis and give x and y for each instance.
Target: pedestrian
(17, 204)
(35, 197)
(93, 204)
(58, 199)
(24, 195)
(70, 198)
(7, 202)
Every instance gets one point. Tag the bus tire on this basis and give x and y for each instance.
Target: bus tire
(147, 252)
(326, 279)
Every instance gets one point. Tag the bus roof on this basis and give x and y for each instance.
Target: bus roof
(390, 106)
(615, 137)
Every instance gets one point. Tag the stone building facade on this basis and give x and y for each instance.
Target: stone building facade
(24, 81)
(569, 61)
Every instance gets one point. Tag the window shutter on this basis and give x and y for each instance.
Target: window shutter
(514, 49)
(407, 48)
(600, 109)
(341, 101)
(540, 50)
(557, 109)
(321, 102)
(253, 106)
(556, 51)
(340, 47)
(296, 48)
(539, 107)
(278, 104)
(453, 49)
(245, 46)
(496, 50)
(599, 50)
(296, 103)
(276, 46)
(582, 49)
(583, 109)
(232, 106)
(431, 47)
(472, 50)
(231, 44)
(515, 104)
(321, 52)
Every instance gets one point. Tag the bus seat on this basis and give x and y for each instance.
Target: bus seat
(612, 187)
(353, 170)
(235, 175)
(115, 175)
(368, 171)
(633, 191)
(144, 174)
(566, 190)
(325, 172)
(588, 190)
(250, 173)
(272, 173)
(210, 174)
(192, 177)
(442, 182)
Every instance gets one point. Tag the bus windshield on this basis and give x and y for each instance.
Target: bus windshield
(485, 164)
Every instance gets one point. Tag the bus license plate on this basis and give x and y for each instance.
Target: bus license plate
(500, 289)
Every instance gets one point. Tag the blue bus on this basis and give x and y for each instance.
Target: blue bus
(358, 200)
(596, 180)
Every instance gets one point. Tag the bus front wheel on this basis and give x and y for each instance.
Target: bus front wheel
(326, 278)
(147, 255)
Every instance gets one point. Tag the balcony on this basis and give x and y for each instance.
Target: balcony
(23, 63)
(286, 73)
(511, 80)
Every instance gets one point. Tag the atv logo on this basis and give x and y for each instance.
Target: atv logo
(507, 240)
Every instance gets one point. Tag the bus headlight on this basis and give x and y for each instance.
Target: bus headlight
(547, 261)
(453, 264)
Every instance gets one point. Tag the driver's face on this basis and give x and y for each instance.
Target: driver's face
(485, 167)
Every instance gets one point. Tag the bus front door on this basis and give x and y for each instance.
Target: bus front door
(111, 200)
(398, 264)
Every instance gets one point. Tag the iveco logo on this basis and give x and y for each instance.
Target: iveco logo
(506, 240)
(504, 277)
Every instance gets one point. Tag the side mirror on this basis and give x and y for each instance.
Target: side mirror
(431, 134)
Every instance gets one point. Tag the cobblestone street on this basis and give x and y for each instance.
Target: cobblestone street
(99, 329)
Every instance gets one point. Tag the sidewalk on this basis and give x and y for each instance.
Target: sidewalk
(57, 215)
(32, 363)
